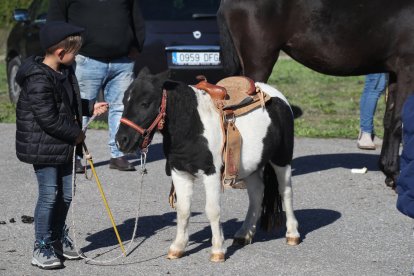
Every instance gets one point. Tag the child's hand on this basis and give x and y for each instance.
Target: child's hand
(100, 108)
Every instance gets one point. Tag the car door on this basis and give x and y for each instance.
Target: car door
(38, 13)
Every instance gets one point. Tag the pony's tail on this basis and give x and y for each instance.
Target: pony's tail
(229, 57)
(272, 210)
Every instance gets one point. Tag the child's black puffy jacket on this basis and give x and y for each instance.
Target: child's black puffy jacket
(47, 113)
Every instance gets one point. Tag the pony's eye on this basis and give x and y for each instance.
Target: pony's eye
(145, 105)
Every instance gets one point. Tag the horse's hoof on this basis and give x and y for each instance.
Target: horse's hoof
(241, 242)
(217, 257)
(293, 240)
(172, 255)
(389, 181)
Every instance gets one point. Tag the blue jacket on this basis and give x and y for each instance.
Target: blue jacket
(405, 183)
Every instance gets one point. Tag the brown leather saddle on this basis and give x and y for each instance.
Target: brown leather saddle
(233, 97)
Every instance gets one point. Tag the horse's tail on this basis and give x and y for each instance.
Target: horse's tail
(272, 210)
(229, 57)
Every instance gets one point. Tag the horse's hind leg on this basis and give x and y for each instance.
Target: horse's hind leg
(183, 183)
(255, 190)
(212, 186)
(284, 178)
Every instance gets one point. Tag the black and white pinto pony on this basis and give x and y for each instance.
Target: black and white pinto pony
(192, 139)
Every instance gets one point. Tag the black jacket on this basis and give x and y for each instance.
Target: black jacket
(112, 27)
(47, 113)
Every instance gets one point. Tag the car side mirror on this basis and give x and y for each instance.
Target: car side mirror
(21, 15)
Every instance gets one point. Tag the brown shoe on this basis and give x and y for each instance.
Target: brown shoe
(121, 163)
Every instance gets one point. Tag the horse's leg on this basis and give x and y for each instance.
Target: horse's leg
(399, 89)
(257, 47)
(258, 61)
(284, 178)
(255, 190)
(183, 183)
(212, 187)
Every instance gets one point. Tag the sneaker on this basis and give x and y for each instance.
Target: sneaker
(365, 141)
(79, 168)
(65, 247)
(121, 163)
(377, 141)
(44, 256)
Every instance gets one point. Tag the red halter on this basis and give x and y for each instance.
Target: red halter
(158, 122)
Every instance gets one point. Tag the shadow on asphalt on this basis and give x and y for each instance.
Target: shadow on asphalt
(309, 221)
(147, 227)
(314, 163)
(155, 153)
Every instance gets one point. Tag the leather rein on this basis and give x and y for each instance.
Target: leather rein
(158, 122)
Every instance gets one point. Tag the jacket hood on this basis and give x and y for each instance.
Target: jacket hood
(31, 66)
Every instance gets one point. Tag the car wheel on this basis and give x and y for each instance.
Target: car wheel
(14, 88)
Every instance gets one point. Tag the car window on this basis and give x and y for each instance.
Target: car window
(38, 10)
(178, 9)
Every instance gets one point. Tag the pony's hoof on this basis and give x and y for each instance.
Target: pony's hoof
(241, 241)
(217, 257)
(172, 255)
(293, 240)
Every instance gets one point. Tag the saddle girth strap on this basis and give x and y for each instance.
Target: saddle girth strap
(231, 149)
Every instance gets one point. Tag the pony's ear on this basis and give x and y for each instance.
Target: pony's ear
(144, 72)
(170, 85)
(164, 75)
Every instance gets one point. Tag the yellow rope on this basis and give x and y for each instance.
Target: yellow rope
(106, 204)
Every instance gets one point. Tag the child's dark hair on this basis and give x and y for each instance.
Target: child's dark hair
(71, 44)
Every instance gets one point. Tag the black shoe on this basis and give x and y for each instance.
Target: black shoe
(121, 163)
(79, 168)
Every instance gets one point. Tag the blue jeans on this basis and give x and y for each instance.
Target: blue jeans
(374, 87)
(55, 196)
(113, 77)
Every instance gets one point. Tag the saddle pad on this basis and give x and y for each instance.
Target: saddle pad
(238, 89)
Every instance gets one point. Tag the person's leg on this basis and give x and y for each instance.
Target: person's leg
(47, 181)
(120, 77)
(91, 75)
(63, 244)
(374, 86)
(63, 200)
(43, 253)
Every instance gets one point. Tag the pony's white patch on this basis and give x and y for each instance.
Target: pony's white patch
(251, 152)
(252, 127)
(211, 122)
(273, 92)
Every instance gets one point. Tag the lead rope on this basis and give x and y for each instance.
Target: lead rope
(143, 159)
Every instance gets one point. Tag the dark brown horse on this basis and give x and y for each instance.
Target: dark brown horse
(335, 37)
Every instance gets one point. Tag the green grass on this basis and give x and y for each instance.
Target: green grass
(7, 110)
(330, 105)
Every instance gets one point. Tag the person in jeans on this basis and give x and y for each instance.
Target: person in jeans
(375, 85)
(48, 126)
(113, 37)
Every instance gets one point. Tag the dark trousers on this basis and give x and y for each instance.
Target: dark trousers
(55, 196)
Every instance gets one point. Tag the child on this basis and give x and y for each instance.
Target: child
(48, 126)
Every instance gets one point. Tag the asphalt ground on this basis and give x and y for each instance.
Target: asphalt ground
(348, 222)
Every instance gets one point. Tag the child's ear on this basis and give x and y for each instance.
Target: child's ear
(60, 53)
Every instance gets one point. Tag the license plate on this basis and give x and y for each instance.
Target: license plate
(196, 58)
